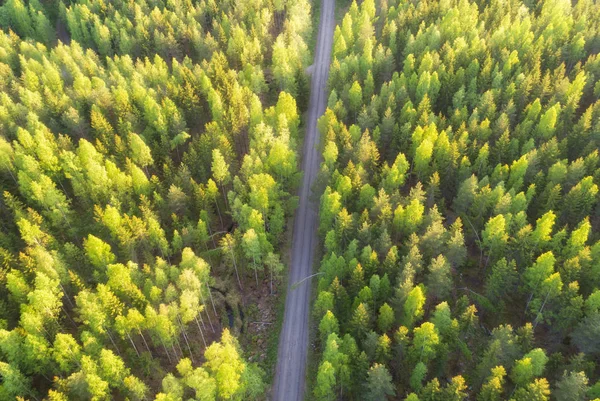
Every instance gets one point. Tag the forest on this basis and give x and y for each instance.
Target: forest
(150, 160)
(459, 211)
(148, 167)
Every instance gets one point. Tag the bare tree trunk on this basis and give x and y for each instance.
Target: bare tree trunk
(66, 295)
(224, 196)
(175, 352)
(256, 274)
(144, 339)
(186, 339)
(219, 211)
(541, 309)
(179, 346)
(133, 344)
(113, 342)
(202, 320)
(201, 333)
(528, 301)
(211, 234)
(212, 300)
(69, 316)
(166, 350)
(235, 266)
(206, 310)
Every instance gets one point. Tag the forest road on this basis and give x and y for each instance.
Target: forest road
(289, 383)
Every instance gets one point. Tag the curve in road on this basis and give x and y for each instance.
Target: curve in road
(290, 373)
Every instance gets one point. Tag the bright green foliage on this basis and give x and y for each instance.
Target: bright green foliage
(122, 147)
(493, 387)
(461, 162)
(425, 342)
(225, 364)
(355, 97)
(494, 235)
(386, 318)
(530, 366)
(325, 387)
(413, 306)
(538, 390)
(328, 325)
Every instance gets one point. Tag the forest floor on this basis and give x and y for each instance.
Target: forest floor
(263, 316)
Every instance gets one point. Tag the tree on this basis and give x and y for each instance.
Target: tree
(66, 352)
(111, 367)
(439, 279)
(328, 325)
(530, 366)
(502, 282)
(228, 244)
(275, 267)
(538, 390)
(425, 342)
(572, 387)
(586, 333)
(98, 252)
(252, 248)
(386, 318)
(422, 158)
(224, 363)
(457, 251)
(455, 391)
(361, 320)
(135, 389)
(395, 175)
(220, 170)
(355, 97)
(14, 383)
(494, 236)
(493, 387)
(325, 387)
(140, 152)
(413, 306)
(379, 384)
(417, 376)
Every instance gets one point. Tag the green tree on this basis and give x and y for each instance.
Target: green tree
(494, 236)
(492, 389)
(572, 387)
(225, 365)
(379, 384)
(252, 248)
(328, 325)
(413, 306)
(538, 390)
(530, 366)
(386, 318)
(355, 97)
(425, 342)
(220, 170)
(326, 381)
(439, 279)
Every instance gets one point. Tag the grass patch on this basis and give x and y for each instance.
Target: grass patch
(273, 340)
(316, 18)
(314, 356)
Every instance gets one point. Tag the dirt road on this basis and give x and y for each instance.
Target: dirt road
(289, 383)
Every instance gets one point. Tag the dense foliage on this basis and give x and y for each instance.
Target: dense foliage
(460, 209)
(147, 157)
